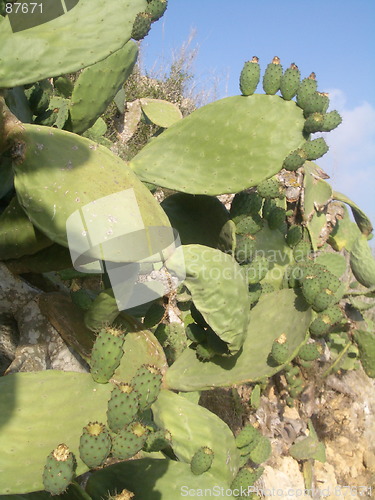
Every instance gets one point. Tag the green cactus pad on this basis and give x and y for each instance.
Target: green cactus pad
(245, 478)
(161, 113)
(198, 219)
(59, 470)
(317, 192)
(362, 262)
(245, 203)
(30, 432)
(97, 86)
(250, 136)
(153, 479)
(262, 451)
(249, 435)
(102, 311)
(308, 448)
(94, 444)
(366, 344)
(106, 354)
(216, 283)
(249, 77)
(294, 235)
(334, 262)
(363, 222)
(140, 348)
(192, 426)
(276, 313)
(122, 407)
(270, 188)
(57, 173)
(74, 53)
(202, 460)
(18, 236)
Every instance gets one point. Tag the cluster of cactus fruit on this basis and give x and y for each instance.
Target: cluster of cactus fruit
(265, 291)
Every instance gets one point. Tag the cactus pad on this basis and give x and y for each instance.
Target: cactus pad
(98, 84)
(250, 135)
(41, 428)
(71, 45)
(276, 313)
(64, 172)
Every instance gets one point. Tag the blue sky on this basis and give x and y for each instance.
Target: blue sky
(333, 38)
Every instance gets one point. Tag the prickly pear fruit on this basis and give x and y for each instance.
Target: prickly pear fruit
(59, 470)
(156, 9)
(309, 352)
(290, 82)
(306, 88)
(262, 450)
(280, 351)
(129, 441)
(272, 76)
(294, 235)
(249, 77)
(270, 188)
(157, 441)
(366, 345)
(106, 354)
(141, 26)
(147, 382)
(331, 120)
(294, 160)
(317, 102)
(94, 444)
(202, 460)
(315, 149)
(245, 478)
(122, 406)
(325, 320)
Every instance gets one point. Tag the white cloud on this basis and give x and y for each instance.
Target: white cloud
(351, 159)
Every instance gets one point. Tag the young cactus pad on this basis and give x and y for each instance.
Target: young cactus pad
(74, 53)
(275, 313)
(196, 427)
(224, 147)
